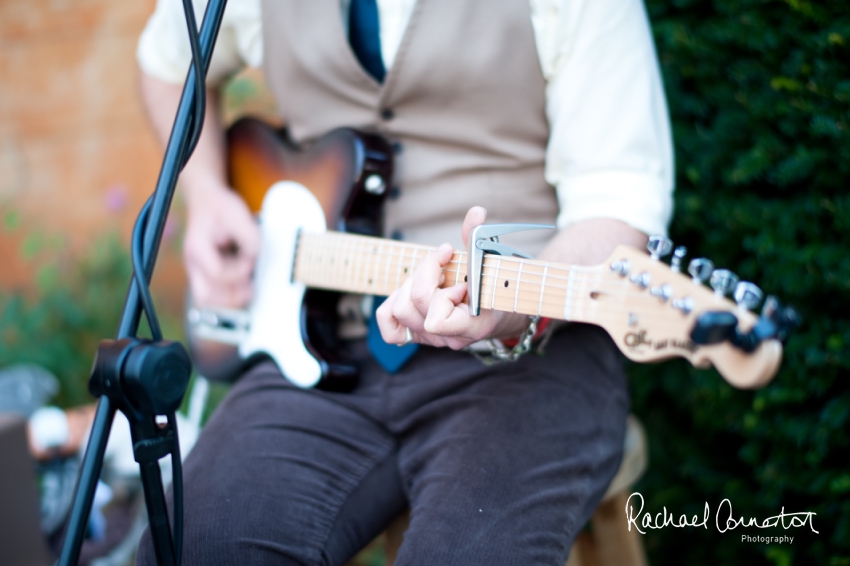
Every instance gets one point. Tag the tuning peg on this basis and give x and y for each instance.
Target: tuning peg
(659, 246)
(700, 269)
(747, 295)
(678, 256)
(723, 282)
(770, 306)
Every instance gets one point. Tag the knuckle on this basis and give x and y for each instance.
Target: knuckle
(433, 326)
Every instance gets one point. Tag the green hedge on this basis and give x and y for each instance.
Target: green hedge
(759, 92)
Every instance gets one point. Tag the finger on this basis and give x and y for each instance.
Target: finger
(448, 316)
(428, 277)
(245, 234)
(216, 263)
(202, 293)
(202, 258)
(403, 309)
(240, 295)
(392, 331)
(474, 217)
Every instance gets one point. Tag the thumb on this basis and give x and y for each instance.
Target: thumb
(474, 217)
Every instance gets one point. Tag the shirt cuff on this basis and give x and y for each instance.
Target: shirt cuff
(641, 201)
(153, 60)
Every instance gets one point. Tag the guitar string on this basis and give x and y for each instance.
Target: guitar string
(583, 275)
(583, 306)
(592, 311)
(363, 250)
(587, 310)
(582, 270)
(596, 279)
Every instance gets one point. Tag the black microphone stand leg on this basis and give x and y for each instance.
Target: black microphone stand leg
(148, 449)
(109, 381)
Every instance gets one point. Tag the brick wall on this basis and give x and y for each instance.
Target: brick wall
(77, 158)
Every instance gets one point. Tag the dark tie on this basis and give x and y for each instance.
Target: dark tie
(363, 33)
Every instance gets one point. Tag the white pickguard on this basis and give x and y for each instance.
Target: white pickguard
(276, 308)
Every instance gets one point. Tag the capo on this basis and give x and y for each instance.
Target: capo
(485, 239)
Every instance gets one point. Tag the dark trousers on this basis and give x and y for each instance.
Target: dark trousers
(499, 465)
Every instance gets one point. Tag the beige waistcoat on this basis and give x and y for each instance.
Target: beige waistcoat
(464, 101)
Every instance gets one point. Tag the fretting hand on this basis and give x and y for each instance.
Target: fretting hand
(439, 317)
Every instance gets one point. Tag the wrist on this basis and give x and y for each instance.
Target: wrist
(202, 190)
(540, 324)
(510, 326)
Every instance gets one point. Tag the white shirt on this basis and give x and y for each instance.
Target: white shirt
(609, 154)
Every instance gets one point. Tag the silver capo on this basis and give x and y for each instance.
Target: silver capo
(485, 239)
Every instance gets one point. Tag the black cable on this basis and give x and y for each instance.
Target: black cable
(199, 107)
(177, 491)
(136, 246)
(146, 239)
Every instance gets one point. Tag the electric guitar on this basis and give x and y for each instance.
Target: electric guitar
(651, 310)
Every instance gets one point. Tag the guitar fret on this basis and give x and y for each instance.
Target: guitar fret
(387, 272)
(346, 270)
(518, 278)
(377, 257)
(568, 299)
(542, 288)
(398, 270)
(496, 282)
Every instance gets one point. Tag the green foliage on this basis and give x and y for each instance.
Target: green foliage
(78, 302)
(759, 92)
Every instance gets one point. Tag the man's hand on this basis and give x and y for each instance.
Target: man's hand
(439, 317)
(222, 239)
(220, 248)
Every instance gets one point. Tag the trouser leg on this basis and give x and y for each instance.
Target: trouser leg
(509, 464)
(286, 476)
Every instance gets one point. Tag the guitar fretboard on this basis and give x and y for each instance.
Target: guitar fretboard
(361, 264)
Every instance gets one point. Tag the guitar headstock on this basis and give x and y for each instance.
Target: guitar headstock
(664, 313)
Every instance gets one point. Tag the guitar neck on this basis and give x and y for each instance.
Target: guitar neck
(361, 264)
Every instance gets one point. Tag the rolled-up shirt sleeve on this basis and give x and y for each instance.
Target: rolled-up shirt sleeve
(610, 152)
(163, 50)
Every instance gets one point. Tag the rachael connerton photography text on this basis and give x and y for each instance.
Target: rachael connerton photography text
(724, 519)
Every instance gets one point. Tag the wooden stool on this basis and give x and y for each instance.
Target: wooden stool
(607, 541)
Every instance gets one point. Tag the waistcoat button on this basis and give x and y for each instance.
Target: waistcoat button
(397, 235)
(387, 114)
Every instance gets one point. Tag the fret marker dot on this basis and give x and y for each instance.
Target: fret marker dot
(405, 270)
(506, 283)
(370, 281)
(464, 278)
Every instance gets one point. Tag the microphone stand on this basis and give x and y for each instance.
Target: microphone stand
(146, 378)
